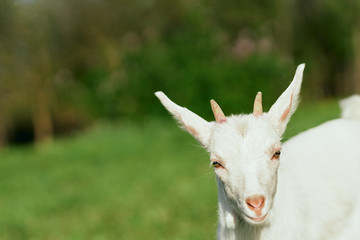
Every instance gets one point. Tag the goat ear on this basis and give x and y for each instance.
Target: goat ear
(195, 125)
(286, 104)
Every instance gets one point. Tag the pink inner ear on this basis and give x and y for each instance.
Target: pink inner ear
(192, 131)
(189, 128)
(287, 110)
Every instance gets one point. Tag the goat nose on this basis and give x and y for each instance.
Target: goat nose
(256, 202)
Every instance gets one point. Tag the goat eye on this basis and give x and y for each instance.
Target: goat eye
(217, 165)
(276, 155)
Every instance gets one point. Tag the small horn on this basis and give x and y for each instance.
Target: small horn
(218, 113)
(258, 111)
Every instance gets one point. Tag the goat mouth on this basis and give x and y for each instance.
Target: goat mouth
(257, 220)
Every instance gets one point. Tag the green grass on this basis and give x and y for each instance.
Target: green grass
(118, 181)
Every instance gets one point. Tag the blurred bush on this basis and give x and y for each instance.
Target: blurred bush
(64, 64)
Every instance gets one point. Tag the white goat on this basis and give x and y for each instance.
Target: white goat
(313, 194)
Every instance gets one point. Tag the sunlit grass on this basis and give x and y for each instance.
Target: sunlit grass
(118, 181)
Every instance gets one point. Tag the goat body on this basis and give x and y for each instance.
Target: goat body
(318, 189)
(311, 192)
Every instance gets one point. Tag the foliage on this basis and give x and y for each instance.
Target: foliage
(64, 64)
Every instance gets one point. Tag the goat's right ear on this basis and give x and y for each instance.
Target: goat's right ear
(195, 125)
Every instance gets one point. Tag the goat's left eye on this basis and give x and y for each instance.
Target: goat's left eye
(276, 155)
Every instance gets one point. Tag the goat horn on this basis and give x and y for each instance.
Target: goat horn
(218, 113)
(258, 110)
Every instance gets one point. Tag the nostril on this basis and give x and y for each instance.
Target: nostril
(255, 202)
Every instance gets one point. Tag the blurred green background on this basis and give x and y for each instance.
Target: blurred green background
(88, 152)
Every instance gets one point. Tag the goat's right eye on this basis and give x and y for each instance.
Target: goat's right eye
(217, 164)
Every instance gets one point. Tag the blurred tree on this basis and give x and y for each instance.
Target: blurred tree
(66, 63)
(34, 63)
(354, 85)
(325, 33)
(6, 81)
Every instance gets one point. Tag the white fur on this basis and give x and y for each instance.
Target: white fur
(350, 107)
(311, 192)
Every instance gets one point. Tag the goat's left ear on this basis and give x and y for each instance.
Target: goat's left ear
(286, 104)
(195, 125)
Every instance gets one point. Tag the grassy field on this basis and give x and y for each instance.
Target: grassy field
(118, 181)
